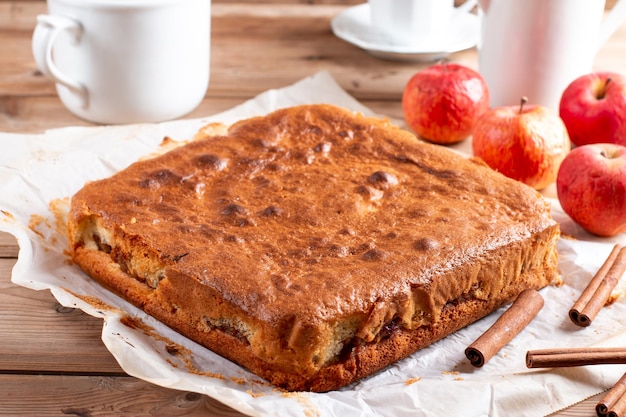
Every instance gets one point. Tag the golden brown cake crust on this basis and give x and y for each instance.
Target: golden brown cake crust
(313, 246)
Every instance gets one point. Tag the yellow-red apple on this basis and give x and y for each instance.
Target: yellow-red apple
(593, 108)
(591, 187)
(442, 102)
(526, 143)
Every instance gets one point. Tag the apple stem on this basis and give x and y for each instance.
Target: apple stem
(522, 101)
(603, 91)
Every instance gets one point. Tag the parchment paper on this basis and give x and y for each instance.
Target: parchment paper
(38, 174)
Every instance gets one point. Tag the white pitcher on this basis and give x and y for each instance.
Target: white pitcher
(535, 48)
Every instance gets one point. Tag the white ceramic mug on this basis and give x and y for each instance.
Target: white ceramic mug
(535, 48)
(126, 61)
(405, 21)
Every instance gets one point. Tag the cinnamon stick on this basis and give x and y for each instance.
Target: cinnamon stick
(619, 408)
(560, 358)
(512, 321)
(599, 289)
(614, 402)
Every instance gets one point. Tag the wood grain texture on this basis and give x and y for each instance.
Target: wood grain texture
(8, 246)
(96, 396)
(38, 335)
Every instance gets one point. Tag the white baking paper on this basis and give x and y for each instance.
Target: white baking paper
(38, 174)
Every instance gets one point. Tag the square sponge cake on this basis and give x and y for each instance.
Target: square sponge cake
(313, 246)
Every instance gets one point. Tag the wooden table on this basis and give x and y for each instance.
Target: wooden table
(52, 361)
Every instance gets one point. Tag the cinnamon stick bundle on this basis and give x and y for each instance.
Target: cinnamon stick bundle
(566, 357)
(613, 404)
(512, 321)
(599, 289)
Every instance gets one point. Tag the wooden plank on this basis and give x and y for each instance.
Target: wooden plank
(8, 246)
(95, 396)
(19, 15)
(40, 335)
(29, 114)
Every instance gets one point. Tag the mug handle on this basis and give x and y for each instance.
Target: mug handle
(45, 34)
(612, 21)
(466, 7)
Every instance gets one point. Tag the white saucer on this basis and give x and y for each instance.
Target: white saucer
(353, 26)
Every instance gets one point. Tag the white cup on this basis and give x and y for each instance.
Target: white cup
(404, 22)
(535, 48)
(126, 61)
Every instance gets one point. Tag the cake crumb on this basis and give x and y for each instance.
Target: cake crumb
(412, 380)
(240, 381)
(94, 302)
(254, 394)
(310, 410)
(35, 221)
(449, 372)
(59, 207)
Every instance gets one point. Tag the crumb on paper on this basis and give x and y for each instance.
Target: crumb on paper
(60, 208)
(450, 372)
(412, 380)
(8, 215)
(255, 394)
(131, 322)
(558, 281)
(95, 302)
(455, 373)
(34, 222)
(239, 380)
(192, 370)
(172, 348)
(310, 410)
(50, 231)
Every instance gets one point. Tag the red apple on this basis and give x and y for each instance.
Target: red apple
(591, 187)
(593, 108)
(442, 103)
(526, 143)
